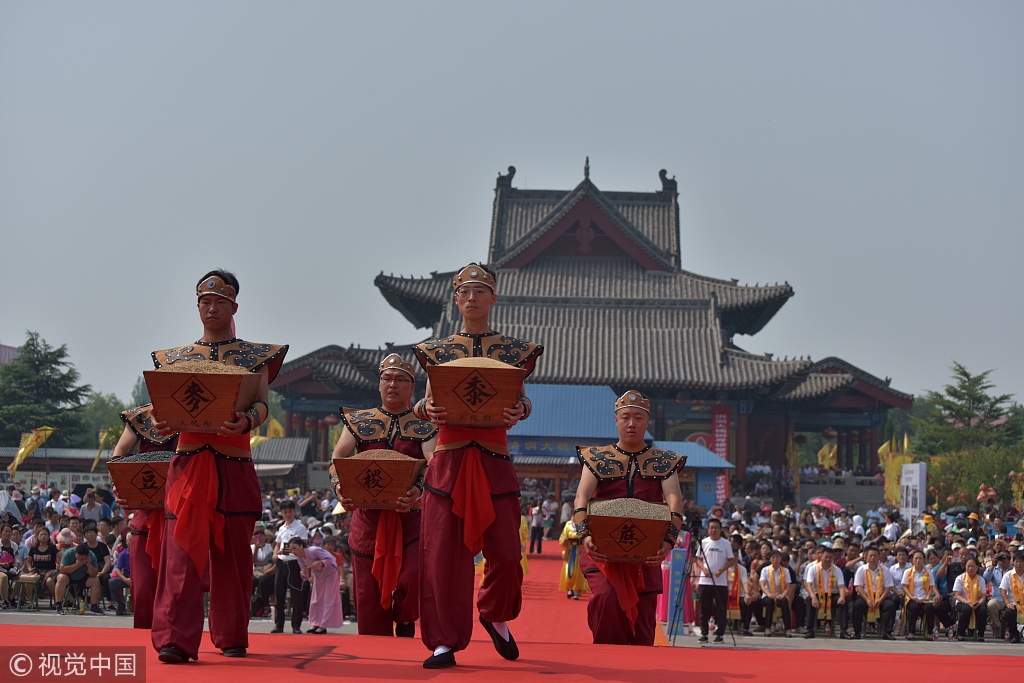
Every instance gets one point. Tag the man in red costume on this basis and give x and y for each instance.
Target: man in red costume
(385, 544)
(471, 502)
(622, 608)
(212, 496)
(147, 525)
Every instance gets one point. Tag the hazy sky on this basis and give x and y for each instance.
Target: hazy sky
(870, 153)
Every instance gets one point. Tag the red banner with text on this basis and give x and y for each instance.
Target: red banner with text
(720, 447)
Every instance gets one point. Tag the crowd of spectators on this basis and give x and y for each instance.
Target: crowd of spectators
(940, 576)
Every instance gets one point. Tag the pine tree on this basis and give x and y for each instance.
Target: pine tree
(40, 388)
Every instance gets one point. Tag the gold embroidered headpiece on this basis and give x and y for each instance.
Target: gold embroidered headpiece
(474, 272)
(395, 362)
(633, 399)
(215, 285)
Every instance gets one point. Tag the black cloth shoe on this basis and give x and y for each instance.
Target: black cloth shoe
(702, 639)
(719, 639)
(888, 636)
(445, 660)
(96, 609)
(407, 630)
(506, 648)
(296, 630)
(809, 634)
(277, 629)
(172, 655)
(234, 651)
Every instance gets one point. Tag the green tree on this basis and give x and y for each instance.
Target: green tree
(140, 393)
(100, 411)
(40, 387)
(965, 416)
(963, 472)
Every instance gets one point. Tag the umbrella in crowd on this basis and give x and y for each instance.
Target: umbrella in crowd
(960, 510)
(826, 503)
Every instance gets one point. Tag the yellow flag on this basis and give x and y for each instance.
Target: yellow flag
(832, 455)
(255, 440)
(274, 429)
(104, 443)
(884, 448)
(30, 441)
(827, 455)
(894, 463)
(906, 442)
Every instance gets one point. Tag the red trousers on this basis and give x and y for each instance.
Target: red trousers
(178, 608)
(375, 620)
(606, 619)
(446, 584)
(143, 586)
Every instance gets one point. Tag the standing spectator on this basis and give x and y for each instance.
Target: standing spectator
(536, 528)
(287, 575)
(716, 556)
(92, 510)
(549, 508)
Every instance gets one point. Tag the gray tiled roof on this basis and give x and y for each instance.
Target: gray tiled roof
(287, 449)
(42, 453)
(654, 216)
(676, 345)
(596, 279)
(832, 363)
(351, 368)
(819, 385)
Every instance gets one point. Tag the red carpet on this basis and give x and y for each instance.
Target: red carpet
(554, 640)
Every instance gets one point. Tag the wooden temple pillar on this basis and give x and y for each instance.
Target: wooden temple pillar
(865, 440)
(851, 440)
(288, 422)
(741, 445)
(873, 450)
(841, 450)
(325, 449)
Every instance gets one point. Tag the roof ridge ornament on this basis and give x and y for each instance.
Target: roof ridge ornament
(668, 185)
(586, 169)
(506, 180)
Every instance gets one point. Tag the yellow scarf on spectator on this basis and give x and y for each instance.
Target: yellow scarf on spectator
(874, 590)
(971, 590)
(732, 607)
(925, 583)
(825, 593)
(775, 580)
(1017, 588)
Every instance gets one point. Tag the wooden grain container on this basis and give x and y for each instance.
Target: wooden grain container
(200, 401)
(374, 479)
(475, 391)
(140, 478)
(628, 529)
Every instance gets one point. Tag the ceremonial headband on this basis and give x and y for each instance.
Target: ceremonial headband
(396, 362)
(216, 286)
(474, 273)
(633, 399)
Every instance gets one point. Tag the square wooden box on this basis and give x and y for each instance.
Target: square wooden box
(374, 483)
(141, 483)
(627, 539)
(200, 402)
(475, 396)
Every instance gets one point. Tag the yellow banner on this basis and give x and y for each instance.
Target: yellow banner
(255, 440)
(30, 441)
(894, 463)
(827, 455)
(274, 429)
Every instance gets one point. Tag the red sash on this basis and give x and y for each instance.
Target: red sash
(387, 555)
(471, 497)
(628, 581)
(154, 537)
(192, 498)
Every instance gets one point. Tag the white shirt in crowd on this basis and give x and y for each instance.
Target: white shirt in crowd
(917, 590)
(287, 533)
(1006, 586)
(566, 512)
(768, 576)
(958, 585)
(814, 571)
(716, 554)
(861, 579)
(261, 555)
(892, 531)
(897, 571)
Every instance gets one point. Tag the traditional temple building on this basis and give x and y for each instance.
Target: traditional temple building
(596, 277)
